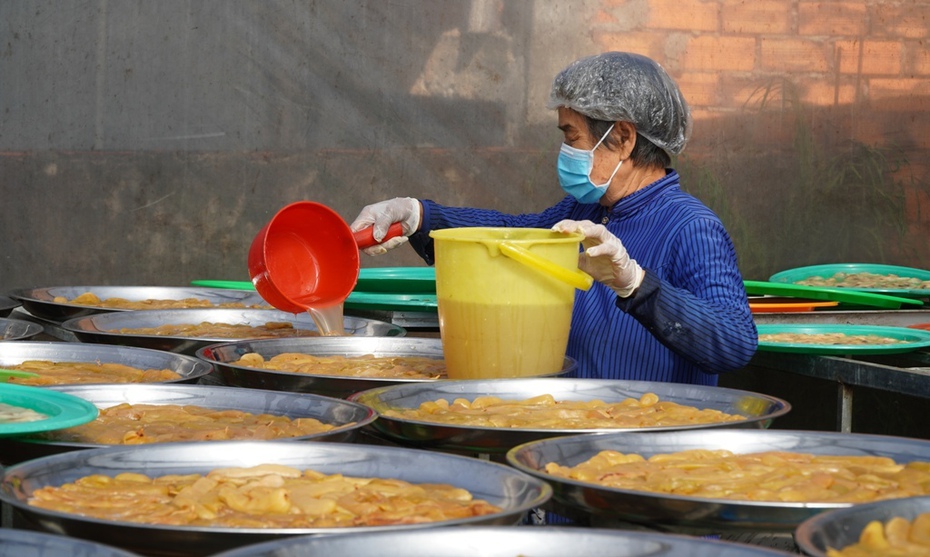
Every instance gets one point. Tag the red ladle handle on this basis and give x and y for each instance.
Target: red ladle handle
(365, 237)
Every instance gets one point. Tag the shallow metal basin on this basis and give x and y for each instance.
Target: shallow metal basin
(105, 327)
(347, 417)
(514, 491)
(23, 543)
(223, 355)
(188, 367)
(841, 527)
(758, 409)
(502, 541)
(17, 329)
(41, 301)
(605, 505)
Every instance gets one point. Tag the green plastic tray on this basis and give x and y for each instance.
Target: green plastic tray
(228, 284)
(915, 339)
(63, 410)
(845, 295)
(383, 301)
(392, 302)
(405, 280)
(792, 276)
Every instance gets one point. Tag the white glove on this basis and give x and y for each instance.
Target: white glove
(381, 215)
(604, 257)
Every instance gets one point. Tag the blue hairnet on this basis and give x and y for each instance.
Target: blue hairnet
(621, 86)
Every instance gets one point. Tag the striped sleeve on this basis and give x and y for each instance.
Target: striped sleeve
(700, 312)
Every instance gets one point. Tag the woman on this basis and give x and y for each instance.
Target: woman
(669, 302)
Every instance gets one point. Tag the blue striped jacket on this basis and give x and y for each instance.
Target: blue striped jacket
(690, 318)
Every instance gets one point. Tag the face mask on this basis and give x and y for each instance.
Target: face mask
(574, 169)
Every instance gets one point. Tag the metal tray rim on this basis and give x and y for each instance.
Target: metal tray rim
(201, 353)
(545, 491)
(78, 389)
(88, 324)
(34, 299)
(808, 531)
(608, 538)
(738, 440)
(11, 538)
(99, 352)
(785, 407)
(29, 329)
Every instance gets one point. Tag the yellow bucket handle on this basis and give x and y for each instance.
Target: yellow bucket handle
(574, 277)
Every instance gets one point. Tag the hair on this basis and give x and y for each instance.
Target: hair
(626, 87)
(645, 153)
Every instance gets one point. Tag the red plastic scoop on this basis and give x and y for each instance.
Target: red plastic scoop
(308, 257)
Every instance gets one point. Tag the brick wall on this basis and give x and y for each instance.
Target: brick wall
(858, 71)
(836, 51)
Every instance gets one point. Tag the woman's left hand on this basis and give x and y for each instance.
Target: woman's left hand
(604, 257)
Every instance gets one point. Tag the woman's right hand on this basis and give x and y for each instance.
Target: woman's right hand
(380, 216)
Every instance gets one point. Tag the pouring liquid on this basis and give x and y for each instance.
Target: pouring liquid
(330, 320)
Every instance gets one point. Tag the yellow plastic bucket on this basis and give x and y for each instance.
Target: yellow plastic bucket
(505, 299)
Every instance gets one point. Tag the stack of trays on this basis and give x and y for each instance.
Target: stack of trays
(397, 289)
(516, 483)
(109, 325)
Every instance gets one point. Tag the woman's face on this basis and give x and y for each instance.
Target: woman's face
(575, 129)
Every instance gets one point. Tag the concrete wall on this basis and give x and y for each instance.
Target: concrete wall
(147, 142)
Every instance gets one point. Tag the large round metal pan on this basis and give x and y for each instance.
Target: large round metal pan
(839, 528)
(41, 301)
(347, 417)
(189, 368)
(758, 409)
(7, 305)
(514, 491)
(223, 355)
(105, 327)
(603, 504)
(502, 541)
(22, 543)
(17, 329)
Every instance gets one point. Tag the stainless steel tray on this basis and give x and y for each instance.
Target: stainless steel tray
(841, 527)
(7, 305)
(514, 491)
(17, 329)
(189, 368)
(759, 409)
(40, 301)
(221, 355)
(104, 327)
(348, 417)
(501, 541)
(604, 504)
(21, 543)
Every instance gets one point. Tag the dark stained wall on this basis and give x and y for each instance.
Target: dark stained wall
(147, 142)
